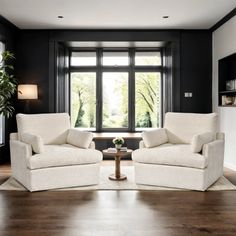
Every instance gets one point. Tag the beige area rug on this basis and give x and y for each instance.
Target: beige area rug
(129, 184)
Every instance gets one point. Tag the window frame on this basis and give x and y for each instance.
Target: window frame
(2, 118)
(131, 69)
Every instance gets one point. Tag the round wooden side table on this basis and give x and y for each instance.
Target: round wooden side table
(118, 155)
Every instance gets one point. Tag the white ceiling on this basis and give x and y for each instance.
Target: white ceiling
(115, 14)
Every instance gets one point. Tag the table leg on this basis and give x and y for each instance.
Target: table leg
(117, 175)
(117, 166)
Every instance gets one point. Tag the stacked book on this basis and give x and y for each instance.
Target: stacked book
(114, 150)
(123, 149)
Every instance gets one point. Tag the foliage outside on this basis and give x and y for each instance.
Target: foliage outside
(7, 84)
(83, 98)
(115, 98)
(147, 97)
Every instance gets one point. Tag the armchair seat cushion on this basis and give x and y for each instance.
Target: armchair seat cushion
(171, 154)
(63, 155)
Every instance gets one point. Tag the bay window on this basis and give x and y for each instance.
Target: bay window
(116, 90)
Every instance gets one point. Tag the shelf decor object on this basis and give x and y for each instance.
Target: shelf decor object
(227, 81)
(27, 92)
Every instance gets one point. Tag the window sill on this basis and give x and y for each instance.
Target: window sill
(111, 135)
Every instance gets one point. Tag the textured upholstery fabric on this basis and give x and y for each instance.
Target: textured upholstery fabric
(181, 127)
(81, 139)
(174, 164)
(14, 136)
(199, 140)
(63, 177)
(60, 165)
(52, 128)
(92, 145)
(220, 136)
(63, 155)
(174, 155)
(35, 141)
(184, 177)
(154, 138)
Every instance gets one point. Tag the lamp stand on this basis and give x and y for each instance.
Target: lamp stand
(27, 106)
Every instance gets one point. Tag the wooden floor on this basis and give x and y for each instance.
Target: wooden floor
(118, 213)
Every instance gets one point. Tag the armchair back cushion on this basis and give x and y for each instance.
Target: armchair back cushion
(52, 127)
(81, 139)
(154, 138)
(181, 127)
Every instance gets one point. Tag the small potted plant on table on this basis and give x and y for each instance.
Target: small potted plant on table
(118, 141)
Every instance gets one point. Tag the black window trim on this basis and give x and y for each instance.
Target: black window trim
(131, 69)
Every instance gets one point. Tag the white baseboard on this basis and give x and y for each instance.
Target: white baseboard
(230, 166)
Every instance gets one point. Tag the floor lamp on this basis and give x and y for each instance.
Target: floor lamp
(27, 92)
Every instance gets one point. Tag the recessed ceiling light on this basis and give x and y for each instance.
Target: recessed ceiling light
(165, 17)
(60, 17)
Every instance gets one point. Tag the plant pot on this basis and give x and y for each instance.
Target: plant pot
(118, 146)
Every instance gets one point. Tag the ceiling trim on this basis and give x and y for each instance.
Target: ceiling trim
(226, 18)
(8, 23)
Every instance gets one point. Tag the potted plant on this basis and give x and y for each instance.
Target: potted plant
(118, 141)
(7, 88)
(8, 84)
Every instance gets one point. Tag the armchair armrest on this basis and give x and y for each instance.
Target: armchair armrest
(20, 152)
(215, 148)
(220, 136)
(14, 136)
(214, 151)
(92, 145)
(141, 144)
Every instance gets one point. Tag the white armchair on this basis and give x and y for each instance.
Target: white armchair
(46, 153)
(187, 153)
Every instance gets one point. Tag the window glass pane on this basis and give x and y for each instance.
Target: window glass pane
(147, 58)
(115, 100)
(147, 99)
(83, 100)
(83, 59)
(115, 59)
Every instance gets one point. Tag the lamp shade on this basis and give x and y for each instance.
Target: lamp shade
(27, 91)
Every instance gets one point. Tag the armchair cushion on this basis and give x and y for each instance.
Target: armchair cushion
(35, 141)
(181, 127)
(199, 140)
(81, 139)
(172, 155)
(154, 138)
(63, 155)
(51, 127)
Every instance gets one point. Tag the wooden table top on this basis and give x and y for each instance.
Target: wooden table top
(129, 151)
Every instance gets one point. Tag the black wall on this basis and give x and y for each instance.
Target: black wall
(32, 67)
(172, 37)
(191, 66)
(195, 71)
(8, 35)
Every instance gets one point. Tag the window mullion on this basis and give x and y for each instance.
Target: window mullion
(99, 91)
(131, 91)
